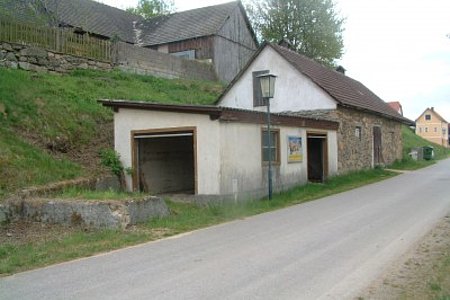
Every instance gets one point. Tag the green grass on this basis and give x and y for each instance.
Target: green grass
(185, 217)
(15, 258)
(86, 194)
(22, 164)
(411, 140)
(441, 286)
(62, 109)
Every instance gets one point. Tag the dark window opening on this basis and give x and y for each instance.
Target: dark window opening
(274, 146)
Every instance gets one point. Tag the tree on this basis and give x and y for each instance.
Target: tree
(152, 8)
(312, 27)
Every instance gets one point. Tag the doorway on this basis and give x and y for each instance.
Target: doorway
(165, 162)
(377, 148)
(317, 157)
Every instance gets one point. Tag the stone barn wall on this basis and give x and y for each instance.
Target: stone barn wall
(356, 153)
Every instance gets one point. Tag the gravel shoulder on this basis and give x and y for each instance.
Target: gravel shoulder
(422, 273)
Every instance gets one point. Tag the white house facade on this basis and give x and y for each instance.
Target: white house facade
(217, 152)
(369, 131)
(294, 91)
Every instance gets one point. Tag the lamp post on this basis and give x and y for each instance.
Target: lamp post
(267, 91)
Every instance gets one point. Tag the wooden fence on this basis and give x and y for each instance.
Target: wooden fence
(55, 39)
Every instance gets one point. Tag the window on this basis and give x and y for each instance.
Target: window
(358, 132)
(420, 129)
(188, 54)
(435, 129)
(257, 95)
(428, 117)
(444, 131)
(274, 146)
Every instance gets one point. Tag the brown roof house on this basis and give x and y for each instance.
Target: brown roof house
(397, 106)
(433, 127)
(369, 131)
(220, 34)
(323, 123)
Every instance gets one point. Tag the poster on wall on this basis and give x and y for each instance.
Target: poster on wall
(295, 149)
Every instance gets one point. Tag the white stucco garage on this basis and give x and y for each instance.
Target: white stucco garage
(216, 151)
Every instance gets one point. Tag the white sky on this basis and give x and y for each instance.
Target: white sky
(397, 48)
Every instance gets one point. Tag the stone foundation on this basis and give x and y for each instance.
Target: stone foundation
(17, 56)
(90, 214)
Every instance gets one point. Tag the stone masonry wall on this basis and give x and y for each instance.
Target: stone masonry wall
(16, 56)
(127, 58)
(357, 153)
(144, 61)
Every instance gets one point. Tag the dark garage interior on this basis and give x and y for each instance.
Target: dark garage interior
(165, 163)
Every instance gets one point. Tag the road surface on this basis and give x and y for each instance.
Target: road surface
(325, 249)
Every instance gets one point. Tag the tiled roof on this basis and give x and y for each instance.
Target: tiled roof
(96, 18)
(188, 24)
(100, 19)
(345, 90)
(90, 16)
(23, 11)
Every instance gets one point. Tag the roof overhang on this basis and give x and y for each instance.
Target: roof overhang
(224, 114)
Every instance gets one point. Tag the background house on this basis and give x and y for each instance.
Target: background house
(431, 126)
(220, 34)
(369, 131)
(397, 106)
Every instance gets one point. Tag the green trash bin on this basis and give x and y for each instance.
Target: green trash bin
(428, 152)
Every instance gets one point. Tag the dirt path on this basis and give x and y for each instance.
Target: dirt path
(422, 273)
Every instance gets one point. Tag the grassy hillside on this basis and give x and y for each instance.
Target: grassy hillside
(51, 125)
(411, 140)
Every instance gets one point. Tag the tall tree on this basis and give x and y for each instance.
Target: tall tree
(312, 27)
(152, 8)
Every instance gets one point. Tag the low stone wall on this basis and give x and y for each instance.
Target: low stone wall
(128, 58)
(90, 214)
(17, 56)
(144, 61)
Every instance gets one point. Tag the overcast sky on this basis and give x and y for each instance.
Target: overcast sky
(397, 48)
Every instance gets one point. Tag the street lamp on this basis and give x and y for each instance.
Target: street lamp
(267, 91)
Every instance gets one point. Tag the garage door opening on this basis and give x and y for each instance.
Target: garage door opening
(165, 162)
(317, 157)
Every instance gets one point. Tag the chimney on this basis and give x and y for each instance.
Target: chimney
(284, 42)
(341, 69)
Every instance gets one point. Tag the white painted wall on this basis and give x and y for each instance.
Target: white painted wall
(208, 166)
(241, 160)
(293, 92)
(228, 154)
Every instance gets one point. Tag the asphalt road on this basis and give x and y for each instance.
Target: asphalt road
(329, 248)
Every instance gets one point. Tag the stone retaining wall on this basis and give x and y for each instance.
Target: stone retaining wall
(17, 56)
(128, 58)
(144, 61)
(112, 214)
